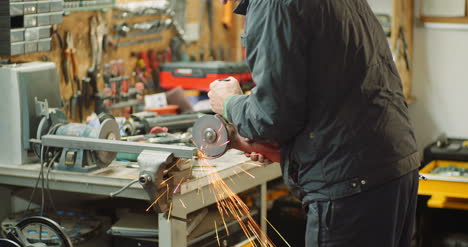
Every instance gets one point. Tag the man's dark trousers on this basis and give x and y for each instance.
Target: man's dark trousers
(380, 217)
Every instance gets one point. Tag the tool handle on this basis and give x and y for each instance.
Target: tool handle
(227, 15)
(268, 150)
(74, 63)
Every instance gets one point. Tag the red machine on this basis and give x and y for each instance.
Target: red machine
(199, 75)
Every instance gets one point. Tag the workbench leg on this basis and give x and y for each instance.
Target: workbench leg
(172, 232)
(5, 203)
(263, 207)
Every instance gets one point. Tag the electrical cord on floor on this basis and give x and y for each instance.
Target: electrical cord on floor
(37, 181)
(113, 194)
(41, 174)
(51, 163)
(41, 177)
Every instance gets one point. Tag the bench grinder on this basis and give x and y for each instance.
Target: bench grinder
(54, 122)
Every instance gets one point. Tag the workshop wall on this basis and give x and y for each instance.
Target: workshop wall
(440, 80)
(440, 84)
(79, 24)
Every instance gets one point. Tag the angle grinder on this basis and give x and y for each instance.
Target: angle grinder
(214, 136)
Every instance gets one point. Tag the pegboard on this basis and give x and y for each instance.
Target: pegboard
(229, 39)
(79, 24)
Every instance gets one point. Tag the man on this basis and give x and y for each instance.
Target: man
(327, 91)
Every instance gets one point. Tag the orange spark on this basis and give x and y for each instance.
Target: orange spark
(170, 210)
(178, 185)
(178, 161)
(155, 201)
(229, 204)
(167, 192)
(223, 144)
(277, 232)
(181, 202)
(163, 182)
(217, 237)
(252, 164)
(246, 172)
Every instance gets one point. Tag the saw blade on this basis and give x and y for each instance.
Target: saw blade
(211, 136)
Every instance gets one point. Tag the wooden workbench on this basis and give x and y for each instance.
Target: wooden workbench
(118, 174)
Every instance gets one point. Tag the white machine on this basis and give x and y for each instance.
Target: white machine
(20, 84)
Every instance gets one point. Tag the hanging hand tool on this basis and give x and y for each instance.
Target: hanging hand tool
(75, 100)
(54, 32)
(207, 6)
(402, 49)
(154, 64)
(98, 29)
(227, 15)
(405, 49)
(213, 136)
(67, 66)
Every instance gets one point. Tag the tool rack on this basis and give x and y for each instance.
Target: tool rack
(25, 26)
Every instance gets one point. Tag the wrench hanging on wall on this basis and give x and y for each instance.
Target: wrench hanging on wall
(98, 31)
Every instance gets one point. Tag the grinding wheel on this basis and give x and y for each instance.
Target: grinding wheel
(211, 135)
(109, 130)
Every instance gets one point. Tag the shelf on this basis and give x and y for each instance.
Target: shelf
(451, 26)
(103, 7)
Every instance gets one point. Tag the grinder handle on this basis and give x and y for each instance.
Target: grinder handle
(268, 150)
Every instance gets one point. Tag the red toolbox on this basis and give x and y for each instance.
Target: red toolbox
(199, 75)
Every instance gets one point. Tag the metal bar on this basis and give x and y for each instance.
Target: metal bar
(115, 146)
(76, 186)
(139, 41)
(126, 104)
(263, 207)
(5, 204)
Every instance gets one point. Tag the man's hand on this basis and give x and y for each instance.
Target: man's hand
(220, 90)
(265, 153)
(258, 157)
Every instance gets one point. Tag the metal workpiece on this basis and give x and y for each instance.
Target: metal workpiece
(141, 124)
(173, 122)
(116, 146)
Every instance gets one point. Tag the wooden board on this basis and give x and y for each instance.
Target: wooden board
(403, 17)
(459, 20)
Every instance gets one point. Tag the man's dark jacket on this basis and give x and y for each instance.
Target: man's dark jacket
(328, 91)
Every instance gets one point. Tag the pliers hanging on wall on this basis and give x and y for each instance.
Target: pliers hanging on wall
(55, 32)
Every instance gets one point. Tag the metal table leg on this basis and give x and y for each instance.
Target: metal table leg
(5, 204)
(263, 206)
(172, 232)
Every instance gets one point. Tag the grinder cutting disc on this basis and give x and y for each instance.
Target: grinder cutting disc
(211, 135)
